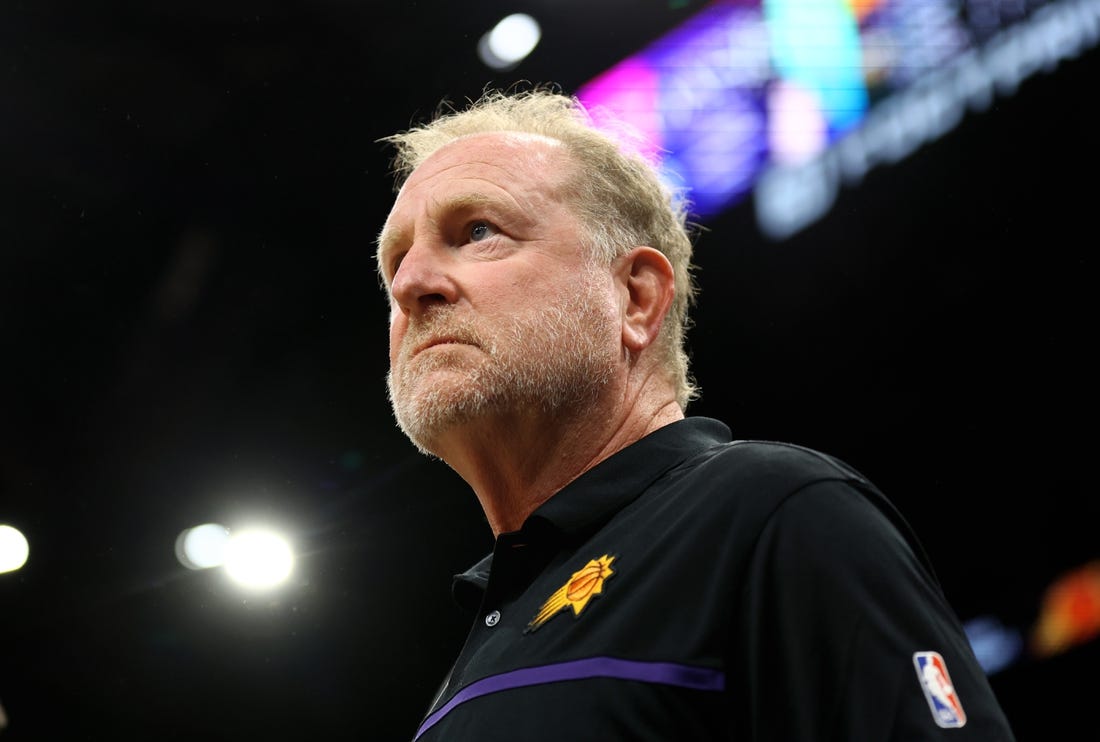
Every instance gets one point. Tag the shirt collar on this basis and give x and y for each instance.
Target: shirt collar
(593, 498)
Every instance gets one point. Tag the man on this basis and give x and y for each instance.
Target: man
(651, 578)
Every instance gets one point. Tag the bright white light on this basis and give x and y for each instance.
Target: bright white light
(514, 37)
(203, 546)
(258, 559)
(13, 549)
(510, 41)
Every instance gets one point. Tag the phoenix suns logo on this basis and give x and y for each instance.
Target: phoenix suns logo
(586, 583)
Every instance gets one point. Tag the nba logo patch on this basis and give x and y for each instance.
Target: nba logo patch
(946, 708)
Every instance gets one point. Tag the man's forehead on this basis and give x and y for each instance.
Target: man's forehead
(498, 150)
(488, 147)
(516, 138)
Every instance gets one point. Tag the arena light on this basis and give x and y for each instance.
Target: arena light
(995, 645)
(202, 547)
(14, 548)
(1070, 611)
(258, 559)
(510, 41)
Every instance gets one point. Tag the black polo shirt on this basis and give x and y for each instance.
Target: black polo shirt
(691, 587)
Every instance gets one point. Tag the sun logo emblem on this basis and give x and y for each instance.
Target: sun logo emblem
(586, 583)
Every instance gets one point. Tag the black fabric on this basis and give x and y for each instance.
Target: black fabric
(778, 570)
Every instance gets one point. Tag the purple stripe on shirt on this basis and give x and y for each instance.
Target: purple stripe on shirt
(668, 673)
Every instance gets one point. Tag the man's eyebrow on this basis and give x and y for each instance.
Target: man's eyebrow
(387, 240)
(465, 201)
(507, 210)
(390, 237)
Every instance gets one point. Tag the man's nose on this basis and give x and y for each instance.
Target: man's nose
(423, 279)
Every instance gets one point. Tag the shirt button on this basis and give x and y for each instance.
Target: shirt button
(492, 618)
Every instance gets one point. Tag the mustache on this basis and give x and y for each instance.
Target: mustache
(440, 324)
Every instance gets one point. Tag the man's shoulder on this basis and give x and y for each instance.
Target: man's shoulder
(739, 486)
(743, 483)
(700, 445)
(767, 463)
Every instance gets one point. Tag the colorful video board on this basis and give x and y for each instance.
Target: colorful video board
(789, 99)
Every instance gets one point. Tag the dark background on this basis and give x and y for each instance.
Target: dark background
(191, 331)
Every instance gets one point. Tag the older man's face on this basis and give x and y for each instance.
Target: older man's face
(494, 309)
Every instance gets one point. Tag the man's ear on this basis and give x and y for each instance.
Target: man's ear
(647, 284)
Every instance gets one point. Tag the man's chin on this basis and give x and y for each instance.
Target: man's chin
(435, 403)
(427, 427)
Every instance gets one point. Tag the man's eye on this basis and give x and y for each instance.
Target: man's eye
(481, 231)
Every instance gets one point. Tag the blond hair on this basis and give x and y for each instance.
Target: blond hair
(620, 198)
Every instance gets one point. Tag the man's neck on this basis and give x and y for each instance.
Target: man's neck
(516, 462)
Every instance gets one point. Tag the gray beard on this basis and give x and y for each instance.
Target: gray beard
(555, 360)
